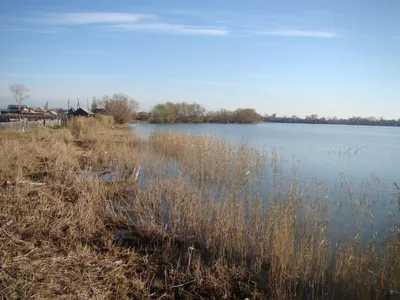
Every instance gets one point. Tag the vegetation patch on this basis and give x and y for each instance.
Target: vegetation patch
(187, 224)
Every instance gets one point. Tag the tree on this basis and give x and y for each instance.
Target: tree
(120, 107)
(222, 116)
(196, 113)
(173, 110)
(246, 115)
(46, 106)
(143, 116)
(20, 93)
(161, 114)
(94, 104)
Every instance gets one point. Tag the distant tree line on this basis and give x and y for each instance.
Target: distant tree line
(314, 119)
(195, 113)
(123, 109)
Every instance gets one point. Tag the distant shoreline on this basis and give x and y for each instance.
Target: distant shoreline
(397, 124)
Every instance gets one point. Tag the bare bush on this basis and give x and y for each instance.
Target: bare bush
(20, 92)
(121, 107)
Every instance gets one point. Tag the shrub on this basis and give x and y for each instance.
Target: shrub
(121, 107)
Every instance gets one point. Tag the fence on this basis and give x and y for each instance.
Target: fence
(26, 125)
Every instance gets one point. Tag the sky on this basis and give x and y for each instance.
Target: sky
(289, 57)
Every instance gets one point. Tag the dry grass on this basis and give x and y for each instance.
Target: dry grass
(197, 225)
(281, 239)
(54, 221)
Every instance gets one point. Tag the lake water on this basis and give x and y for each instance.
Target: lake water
(353, 163)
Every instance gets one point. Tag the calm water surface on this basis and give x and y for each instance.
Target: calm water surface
(353, 163)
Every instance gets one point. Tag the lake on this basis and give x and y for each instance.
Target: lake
(353, 163)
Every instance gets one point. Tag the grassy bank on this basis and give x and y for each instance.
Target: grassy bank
(194, 224)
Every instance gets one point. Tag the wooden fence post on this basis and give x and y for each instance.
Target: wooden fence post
(23, 123)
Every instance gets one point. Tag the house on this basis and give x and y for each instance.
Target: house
(38, 109)
(32, 111)
(82, 112)
(61, 111)
(15, 108)
(99, 111)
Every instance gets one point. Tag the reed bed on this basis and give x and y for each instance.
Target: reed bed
(196, 225)
(283, 231)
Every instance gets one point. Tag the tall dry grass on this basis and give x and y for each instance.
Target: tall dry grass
(57, 227)
(197, 224)
(282, 240)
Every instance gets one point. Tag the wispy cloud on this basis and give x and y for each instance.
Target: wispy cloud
(302, 33)
(204, 16)
(173, 29)
(91, 18)
(129, 22)
(151, 23)
(187, 12)
(217, 83)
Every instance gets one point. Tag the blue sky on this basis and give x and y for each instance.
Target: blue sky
(331, 58)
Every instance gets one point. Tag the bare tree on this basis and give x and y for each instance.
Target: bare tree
(121, 107)
(20, 93)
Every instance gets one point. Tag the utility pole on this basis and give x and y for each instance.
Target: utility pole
(87, 103)
(68, 104)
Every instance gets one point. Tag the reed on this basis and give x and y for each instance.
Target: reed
(206, 219)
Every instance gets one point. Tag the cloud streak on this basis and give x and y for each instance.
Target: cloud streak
(167, 28)
(151, 23)
(302, 33)
(92, 18)
(129, 22)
